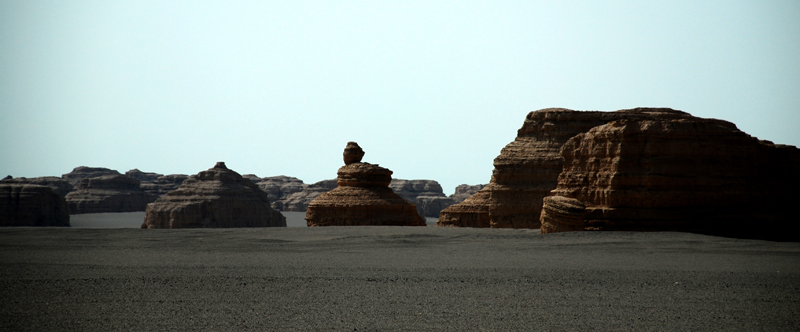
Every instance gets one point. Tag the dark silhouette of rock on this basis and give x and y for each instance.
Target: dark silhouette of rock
(83, 172)
(427, 195)
(463, 191)
(24, 204)
(685, 174)
(527, 169)
(108, 193)
(217, 197)
(59, 185)
(362, 198)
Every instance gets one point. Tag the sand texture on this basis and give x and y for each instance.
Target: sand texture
(380, 278)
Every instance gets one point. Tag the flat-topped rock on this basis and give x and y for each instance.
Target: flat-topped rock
(215, 198)
(83, 172)
(687, 174)
(24, 204)
(59, 185)
(362, 198)
(527, 169)
(108, 193)
(427, 195)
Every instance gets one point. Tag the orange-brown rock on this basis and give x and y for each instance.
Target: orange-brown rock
(362, 198)
(562, 214)
(686, 174)
(217, 197)
(527, 169)
(23, 204)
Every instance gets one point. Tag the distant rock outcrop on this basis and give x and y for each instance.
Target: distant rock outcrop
(143, 176)
(82, 172)
(108, 193)
(31, 205)
(155, 184)
(464, 191)
(217, 197)
(362, 198)
(59, 185)
(427, 195)
(680, 174)
(279, 188)
(527, 169)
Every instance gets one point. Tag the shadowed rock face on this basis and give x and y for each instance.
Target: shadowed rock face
(362, 198)
(59, 185)
(31, 205)
(217, 197)
(108, 193)
(688, 174)
(527, 169)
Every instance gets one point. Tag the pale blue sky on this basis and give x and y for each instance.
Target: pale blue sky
(429, 89)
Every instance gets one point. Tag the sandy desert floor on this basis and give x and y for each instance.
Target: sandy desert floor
(393, 279)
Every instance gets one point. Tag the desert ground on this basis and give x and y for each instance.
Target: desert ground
(101, 276)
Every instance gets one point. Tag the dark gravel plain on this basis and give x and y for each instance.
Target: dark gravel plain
(393, 279)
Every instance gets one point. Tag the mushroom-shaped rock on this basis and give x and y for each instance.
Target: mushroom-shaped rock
(362, 198)
(217, 197)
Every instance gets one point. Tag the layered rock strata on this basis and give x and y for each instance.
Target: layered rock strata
(362, 198)
(155, 184)
(215, 198)
(427, 195)
(464, 191)
(108, 193)
(685, 174)
(31, 205)
(280, 188)
(527, 169)
(83, 172)
(59, 185)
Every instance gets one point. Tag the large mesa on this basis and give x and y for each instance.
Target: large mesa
(217, 197)
(108, 193)
(362, 197)
(23, 204)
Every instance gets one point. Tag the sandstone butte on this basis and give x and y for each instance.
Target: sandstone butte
(108, 193)
(215, 198)
(529, 168)
(687, 174)
(362, 197)
(23, 204)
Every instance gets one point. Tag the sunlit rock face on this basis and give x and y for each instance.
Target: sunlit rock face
(362, 198)
(684, 174)
(23, 204)
(215, 198)
(527, 169)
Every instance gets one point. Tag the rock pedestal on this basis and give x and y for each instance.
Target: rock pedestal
(362, 198)
(215, 198)
(31, 205)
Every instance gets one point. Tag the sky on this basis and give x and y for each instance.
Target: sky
(429, 89)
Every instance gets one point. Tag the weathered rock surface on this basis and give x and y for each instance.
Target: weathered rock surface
(155, 184)
(685, 174)
(362, 198)
(108, 193)
(83, 172)
(217, 197)
(562, 214)
(279, 188)
(527, 169)
(352, 153)
(24, 204)
(143, 176)
(427, 195)
(59, 185)
(464, 191)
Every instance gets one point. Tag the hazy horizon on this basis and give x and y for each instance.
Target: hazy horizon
(430, 90)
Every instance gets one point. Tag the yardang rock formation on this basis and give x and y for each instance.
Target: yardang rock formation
(362, 198)
(217, 197)
(24, 204)
(108, 193)
(647, 156)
